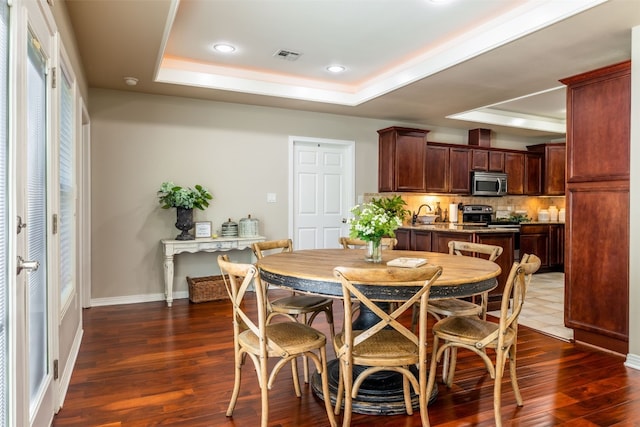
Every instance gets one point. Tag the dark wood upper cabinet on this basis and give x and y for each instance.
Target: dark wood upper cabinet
(402, 159)
(600, 108)
(480, 160)
(459, 170)
(532, 174)
(408, 163)
(496, 161)
(437, 172)
(553, 167)
(514, 168)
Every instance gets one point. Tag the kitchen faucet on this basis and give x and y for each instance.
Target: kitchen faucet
(414, 218)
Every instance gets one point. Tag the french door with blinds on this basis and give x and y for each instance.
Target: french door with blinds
(4, 212)
(35, 302)
(40, 314)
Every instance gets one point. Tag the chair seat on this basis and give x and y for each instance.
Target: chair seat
(296, 304)
(469, 330)
(454, 307)
(293, 337)
(387, 347)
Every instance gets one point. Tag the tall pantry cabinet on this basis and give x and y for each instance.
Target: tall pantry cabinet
(597, 197)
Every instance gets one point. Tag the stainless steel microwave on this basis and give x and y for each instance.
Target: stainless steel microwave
(488, 184)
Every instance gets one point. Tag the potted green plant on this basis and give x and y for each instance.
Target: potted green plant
(394, 205)
(371, 223)
(184, 199)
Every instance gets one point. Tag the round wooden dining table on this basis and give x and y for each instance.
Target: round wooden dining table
(311, 271)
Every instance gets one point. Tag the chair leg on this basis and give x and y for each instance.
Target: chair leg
(236, 384)
(406, 390)
(445, 365)
(305, 360)
(324, 375)
(497, 387)
(348, 400)
(423, 398)
(294, 374)
(264, 393)
(453, 356)
(512, 373)
(432, 370)
(340, 392)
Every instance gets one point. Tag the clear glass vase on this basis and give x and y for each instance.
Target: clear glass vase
(373, 251)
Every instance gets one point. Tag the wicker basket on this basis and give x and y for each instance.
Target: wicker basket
(208, 288)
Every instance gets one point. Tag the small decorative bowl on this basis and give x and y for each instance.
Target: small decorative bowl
(426, 219)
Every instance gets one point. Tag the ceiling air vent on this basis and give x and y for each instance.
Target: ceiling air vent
(288, 55)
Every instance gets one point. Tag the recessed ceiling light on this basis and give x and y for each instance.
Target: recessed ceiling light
(224, 47)
(336, 68)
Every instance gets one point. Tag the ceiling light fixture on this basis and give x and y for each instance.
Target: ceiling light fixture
(224, 47)
(130, 81)
(336, 68)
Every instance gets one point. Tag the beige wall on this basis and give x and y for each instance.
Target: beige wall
(239, 152)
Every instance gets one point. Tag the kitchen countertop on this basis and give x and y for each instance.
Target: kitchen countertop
(543, 222)
(459, 228)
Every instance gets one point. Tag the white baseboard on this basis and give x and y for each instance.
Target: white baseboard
(135, 299)
(633, 361)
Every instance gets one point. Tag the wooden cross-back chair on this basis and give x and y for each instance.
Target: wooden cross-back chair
(386, 345)
(459, 307)
(462, 307)
(352, 243)
(254, 337)
(304, 308)
(476, 335)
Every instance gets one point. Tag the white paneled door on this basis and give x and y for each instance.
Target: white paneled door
(321, 191)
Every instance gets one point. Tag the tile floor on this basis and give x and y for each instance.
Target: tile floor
(543, 308)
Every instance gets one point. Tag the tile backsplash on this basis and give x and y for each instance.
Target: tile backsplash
(530, 204)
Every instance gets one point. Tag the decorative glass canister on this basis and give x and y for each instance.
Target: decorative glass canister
(248, 227)
(229, 229)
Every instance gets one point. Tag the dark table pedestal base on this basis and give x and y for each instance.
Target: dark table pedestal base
(380, 394)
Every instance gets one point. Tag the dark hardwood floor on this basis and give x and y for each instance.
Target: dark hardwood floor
(149, 365)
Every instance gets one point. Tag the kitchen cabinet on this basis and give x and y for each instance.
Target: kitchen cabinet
(403, 236)
(524, 173)
(408, 163)
(534, 239)
(421, 240)
(402, 159)
(448, 169)
(485, 160)
(553, 167)
(437, 168)
(597, 175)
(546, 241)
(532, 174)
(480, 160)
(556, 246)
(496, 161)
(514, 168)
(459, 170)
(440, 239)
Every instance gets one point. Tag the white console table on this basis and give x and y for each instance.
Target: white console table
(170, 248)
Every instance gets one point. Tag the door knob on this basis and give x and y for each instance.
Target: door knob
(344, 220)
(27, 265)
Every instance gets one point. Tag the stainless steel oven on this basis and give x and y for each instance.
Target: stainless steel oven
(479, 214)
